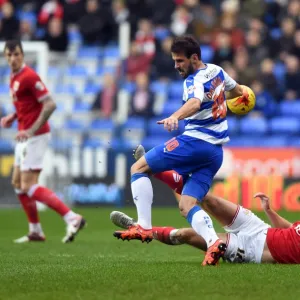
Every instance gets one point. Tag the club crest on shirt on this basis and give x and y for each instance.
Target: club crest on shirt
(16, 86)
(39, 86)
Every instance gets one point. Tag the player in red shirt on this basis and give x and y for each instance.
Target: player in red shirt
(34, 106)
(248, 238)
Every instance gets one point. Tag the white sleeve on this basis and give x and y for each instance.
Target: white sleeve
(229, 82)
(193, 89)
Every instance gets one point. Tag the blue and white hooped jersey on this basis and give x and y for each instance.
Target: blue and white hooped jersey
(208, 85)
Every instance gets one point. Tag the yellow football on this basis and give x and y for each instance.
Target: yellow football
(240, 105)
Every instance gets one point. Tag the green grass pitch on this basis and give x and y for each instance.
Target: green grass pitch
(98, 266)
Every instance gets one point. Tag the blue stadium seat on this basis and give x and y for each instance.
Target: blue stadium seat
(176, 90)
(81, 106)
(135, 123)
(152, 141)
(274, 141)
(253, 126)
(102, 124)
(54, 71)
(279, 72)
(242, 141)
(89, 52)
(158, 87)
(65, 89)
(74, 36)
(6, 146)
(92, 88)
(101, 70)
(93, 143)
(170, 107)
(111, 52)
(290, 108)
(284, 125)
(61, 144)
(275, 33)
(74, 125)
(233, 125)
(128, 86)
(294, 142)
(4, 89)
(207, 53)
(78, 71)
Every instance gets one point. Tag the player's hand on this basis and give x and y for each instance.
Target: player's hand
(264, 200)
(23, 135)
(170, 123)
(7, 121)
(245, 94)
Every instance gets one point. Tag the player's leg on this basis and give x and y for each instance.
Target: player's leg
(28, 204)
(31, 165)
(142, 193)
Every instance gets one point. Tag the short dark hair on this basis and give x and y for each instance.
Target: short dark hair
(11, 45)
(186, 44)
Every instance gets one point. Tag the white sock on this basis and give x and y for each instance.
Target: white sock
(70, 216)
(36, 228)
(202, 224)
(173, 237)
(142, 193)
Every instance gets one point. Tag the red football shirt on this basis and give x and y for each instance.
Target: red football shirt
(284, 244)
(28, 92)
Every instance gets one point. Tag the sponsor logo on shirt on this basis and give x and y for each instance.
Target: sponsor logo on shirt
(39, 86)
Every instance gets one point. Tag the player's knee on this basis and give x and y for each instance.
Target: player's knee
(186, 204)
(16, 184)
(139, 167)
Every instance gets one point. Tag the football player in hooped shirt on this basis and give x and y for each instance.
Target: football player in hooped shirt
(34, 107)
(196, 154)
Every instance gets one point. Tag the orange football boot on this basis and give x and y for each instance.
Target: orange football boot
(135, 232)
(214, 253)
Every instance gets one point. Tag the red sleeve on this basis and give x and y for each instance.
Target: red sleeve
(37, 87)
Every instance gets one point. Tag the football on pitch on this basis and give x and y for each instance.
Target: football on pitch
(241, 106)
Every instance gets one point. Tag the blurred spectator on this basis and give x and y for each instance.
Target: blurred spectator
(137, 62)
(246, 73)
(293, 11)
(268, 78)
(292, 78)
(26, 31)
(286, 41)
(145, 38)
(161, 14)
(256, 50)
(228, 25)
(73, 10)
(9, 26)
(50, 9)
(181, 18)
(204, 23)
(105, 100)
(223, 51)
(163, 64)
(56, 36)
(96, 26)
(296, 46)
(142, 99)
(265, 104)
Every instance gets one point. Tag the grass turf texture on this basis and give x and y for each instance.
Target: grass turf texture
(98, 266)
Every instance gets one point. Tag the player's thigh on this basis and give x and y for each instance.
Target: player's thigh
(28, 179)
(223, 210)
(140, 166)
(16, 177)
(34, 152)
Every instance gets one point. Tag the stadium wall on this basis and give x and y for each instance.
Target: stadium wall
(101, 177)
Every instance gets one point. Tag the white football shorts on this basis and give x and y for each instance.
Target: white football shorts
(29, 155)
(246, 237)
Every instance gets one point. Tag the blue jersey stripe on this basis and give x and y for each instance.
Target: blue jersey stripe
(215, 134)
(206, 105)
(209, 121)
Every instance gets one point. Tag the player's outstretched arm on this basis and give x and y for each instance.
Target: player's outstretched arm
(48, 108)
(237, 91)
(188, 109)
(276, 220)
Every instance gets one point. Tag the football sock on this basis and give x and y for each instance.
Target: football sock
(166, 235)
(202, 224)
(70, 216)
(172, 179)
(142, 193)
(29, 206)
(49, 198)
